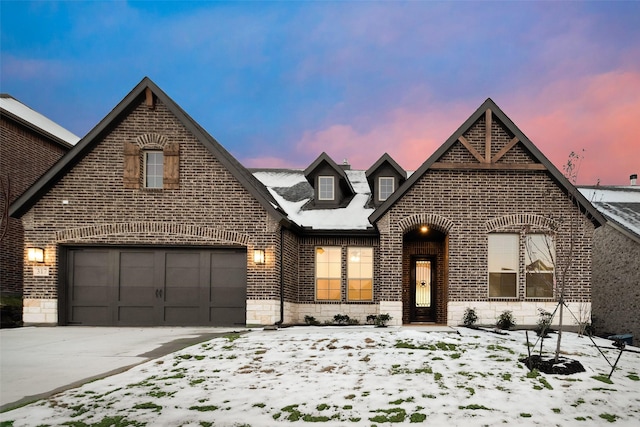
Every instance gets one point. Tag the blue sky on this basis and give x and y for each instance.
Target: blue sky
(277, 83)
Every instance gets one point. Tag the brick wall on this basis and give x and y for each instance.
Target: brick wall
(616, 283)
(477, 202)
(210, 207)
(306, 259)
(24, 157)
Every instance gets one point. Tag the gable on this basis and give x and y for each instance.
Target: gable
(146, 95)
(324, 166)
(489, 140)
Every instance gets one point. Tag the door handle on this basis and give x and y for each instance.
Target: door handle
(158, 293)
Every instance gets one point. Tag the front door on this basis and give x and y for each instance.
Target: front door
(423, 289)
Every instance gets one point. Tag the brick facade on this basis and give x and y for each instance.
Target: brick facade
(616, 283)
(91, 206)
(475, 203)
(207, 204)
(24, 156)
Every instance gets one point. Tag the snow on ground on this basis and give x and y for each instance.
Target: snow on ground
(354, 376)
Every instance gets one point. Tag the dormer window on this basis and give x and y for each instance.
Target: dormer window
(386, 187)
(326, 188)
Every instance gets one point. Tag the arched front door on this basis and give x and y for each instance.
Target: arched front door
(423, 290)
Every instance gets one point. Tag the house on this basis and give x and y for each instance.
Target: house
(29, 145)
(148, 220)
(616, 259)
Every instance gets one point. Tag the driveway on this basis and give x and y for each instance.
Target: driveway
(36, 362)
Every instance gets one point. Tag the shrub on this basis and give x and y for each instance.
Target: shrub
(310, 320)
(506, 320)
(469, 318)
(341, 319)
(382, 320)
(544, 322)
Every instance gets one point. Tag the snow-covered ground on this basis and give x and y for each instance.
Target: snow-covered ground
(354, 376)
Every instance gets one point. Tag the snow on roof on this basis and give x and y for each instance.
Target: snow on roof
(290, 189)
(620, 204)
(18, 109)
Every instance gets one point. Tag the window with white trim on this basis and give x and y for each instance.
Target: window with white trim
(328, 273)
(540, 255)
(503, 260)
(325, 188)
(386, 187)
(359, 274)
(153, 169)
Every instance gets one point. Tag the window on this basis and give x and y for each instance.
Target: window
(540, 254)
(153, 169)
(503, 265)
(328, 273)
(360, 274)
(325, 188)
(386, 186)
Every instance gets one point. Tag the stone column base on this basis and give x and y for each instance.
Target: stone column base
(40, 311)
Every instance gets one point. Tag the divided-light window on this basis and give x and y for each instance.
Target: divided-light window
(153, 169)
(386, 187)
(503, 265)
(540, 255)
(328, 273)
(360, 274)
(325, 188)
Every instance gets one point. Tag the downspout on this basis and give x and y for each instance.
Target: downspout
(281, 275)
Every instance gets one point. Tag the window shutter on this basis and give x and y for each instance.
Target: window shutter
(131, 165)
(171, 179)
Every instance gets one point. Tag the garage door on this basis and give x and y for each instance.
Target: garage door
(165, 287)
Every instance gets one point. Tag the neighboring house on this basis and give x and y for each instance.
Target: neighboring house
(616, 259)
(29, 145)
(149, 220)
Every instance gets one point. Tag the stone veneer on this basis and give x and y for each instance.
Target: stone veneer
(525, 313)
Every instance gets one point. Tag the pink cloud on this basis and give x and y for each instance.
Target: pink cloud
(410, 137)
(599, 114)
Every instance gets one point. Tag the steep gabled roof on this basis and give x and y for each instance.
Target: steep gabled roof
(519, 138)
(20, 113)
(86, 144)
(324, 158)
(386, 158)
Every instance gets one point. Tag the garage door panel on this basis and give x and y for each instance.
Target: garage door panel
(189, 295)
(182, 315)
(156, 286)
(228, 316)
(228, 259)
(228, 297)
(136, 284)
(136, 315)
(91, 277)
(182, 278)
(91, 315)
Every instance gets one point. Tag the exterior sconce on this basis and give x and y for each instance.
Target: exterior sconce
(35, 254)
(258, 256)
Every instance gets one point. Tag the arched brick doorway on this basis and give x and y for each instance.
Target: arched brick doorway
(424, 274)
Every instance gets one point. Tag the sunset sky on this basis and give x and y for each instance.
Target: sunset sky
(277, 83)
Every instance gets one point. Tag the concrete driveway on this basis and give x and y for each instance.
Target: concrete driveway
(36, 362)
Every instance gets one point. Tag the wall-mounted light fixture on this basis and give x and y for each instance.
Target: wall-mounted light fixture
(35, 254)
(258, 256)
